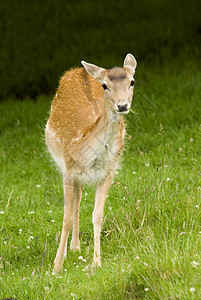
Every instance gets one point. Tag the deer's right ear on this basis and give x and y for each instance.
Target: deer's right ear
(93, 70)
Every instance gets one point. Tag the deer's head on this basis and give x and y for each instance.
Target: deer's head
(118, 83)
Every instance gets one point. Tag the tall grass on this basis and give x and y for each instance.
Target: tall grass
(151, 233)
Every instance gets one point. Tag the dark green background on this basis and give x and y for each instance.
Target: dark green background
(39, 40)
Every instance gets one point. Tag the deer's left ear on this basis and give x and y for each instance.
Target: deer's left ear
(93, 70)
(130, 63)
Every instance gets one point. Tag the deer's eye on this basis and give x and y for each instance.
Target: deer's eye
(132, 82)
(104, 86)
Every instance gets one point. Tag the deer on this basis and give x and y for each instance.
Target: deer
(85, 137)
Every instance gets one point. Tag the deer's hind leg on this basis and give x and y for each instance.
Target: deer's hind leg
(75, 241)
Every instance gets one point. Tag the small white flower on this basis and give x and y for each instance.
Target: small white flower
(47, 288)
(146, 289)
(197, 206)
(38, 185)
(84, 260)
(180, 149)
(137, 257)
(194, 264)
(1, 212)
(30, 212)
(192, 290)
(53, 221)
(191, 140)
(168, 179)
(146, 264)
(80, 258)
(134, 172)
(5, 243)
(147, 164)
(30, 238)
(28, 247)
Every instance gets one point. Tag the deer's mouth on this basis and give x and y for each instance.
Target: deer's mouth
(124, 112)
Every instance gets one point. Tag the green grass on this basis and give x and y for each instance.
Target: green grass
(42, 39)
(151, 236)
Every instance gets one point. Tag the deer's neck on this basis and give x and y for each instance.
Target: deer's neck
(110, 117)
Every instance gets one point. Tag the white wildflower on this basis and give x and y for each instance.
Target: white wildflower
(30, 238)
(194, 264)
(1, 212)
(80, 258)
(191, 140)
(192, 290)
(168, 179)
(146, 289)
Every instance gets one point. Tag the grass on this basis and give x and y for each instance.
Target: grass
(151, 236)
(41, 40)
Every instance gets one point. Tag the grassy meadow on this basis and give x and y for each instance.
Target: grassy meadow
(151, 235)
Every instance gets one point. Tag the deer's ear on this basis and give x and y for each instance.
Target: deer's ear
(130, 63)
(93, 70)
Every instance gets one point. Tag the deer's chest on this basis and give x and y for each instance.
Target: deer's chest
(100, 156)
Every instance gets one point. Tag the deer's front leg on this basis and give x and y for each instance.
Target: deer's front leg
(101, 193)
(69, 196)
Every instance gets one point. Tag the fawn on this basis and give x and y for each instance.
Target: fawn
(85, 136)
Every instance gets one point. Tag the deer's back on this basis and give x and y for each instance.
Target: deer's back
(76, 107)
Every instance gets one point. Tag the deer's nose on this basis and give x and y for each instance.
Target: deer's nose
(123, 107)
